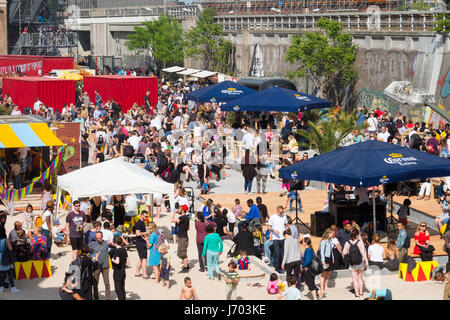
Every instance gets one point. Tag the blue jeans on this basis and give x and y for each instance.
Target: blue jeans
(278, 251)
(46, 234)
(248, 185)
(295, 198)
(212, 261)
(10, 273)
(18, 181)
(267, 252)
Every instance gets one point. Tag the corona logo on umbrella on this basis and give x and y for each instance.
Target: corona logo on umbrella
(236, 108)
(384, 179)
(399, 159)
(213, 99)
(232, 91)
(300, 97)
(294, 175)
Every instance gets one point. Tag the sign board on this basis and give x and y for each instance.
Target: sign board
(70, 134)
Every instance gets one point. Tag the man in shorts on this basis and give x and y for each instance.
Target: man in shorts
(75, 222)
(141, 245)
(183, 240)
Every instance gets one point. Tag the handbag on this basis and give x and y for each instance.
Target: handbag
(430, 249)
(38, 222)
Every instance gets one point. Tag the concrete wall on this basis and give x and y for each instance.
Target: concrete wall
(3, 28)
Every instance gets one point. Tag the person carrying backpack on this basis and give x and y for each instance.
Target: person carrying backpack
(357, 259)
(75, 222)
(82, 269)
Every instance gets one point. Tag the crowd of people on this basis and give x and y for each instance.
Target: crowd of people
(180, 140)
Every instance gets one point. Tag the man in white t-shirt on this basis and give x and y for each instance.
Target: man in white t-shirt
(277, 224)
(383, 135)
(16, 111)
(107, 234)
(134, 140)
(373, 123)
(248, 140)
(37, 105)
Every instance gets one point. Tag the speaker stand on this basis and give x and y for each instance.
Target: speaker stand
(297, 220)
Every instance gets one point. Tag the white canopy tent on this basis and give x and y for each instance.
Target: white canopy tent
(204, 74)
(112, 177)
(188, 72)
(173, 69)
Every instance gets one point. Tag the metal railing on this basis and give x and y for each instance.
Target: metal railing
(422, 21)
(58, 40)
(179, 12)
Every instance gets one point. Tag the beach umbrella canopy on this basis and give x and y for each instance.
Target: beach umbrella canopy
(276, 99)
(220, 92)
(367, 164)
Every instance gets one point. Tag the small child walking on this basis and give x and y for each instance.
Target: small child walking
(164, 265)
(232, 280)
(187, 291)
(243, 261)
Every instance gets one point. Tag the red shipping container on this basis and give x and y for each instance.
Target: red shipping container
(125, 90)
(52, 92)
(30, 65)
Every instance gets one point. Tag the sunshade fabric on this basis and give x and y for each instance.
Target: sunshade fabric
(19, 135)
(276, 99)
(367, 164)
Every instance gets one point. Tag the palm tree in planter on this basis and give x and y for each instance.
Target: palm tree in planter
(329, 133)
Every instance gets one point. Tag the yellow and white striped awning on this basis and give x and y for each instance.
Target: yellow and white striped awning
(17, 135)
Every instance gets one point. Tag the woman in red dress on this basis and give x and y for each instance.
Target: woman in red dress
(422, 238)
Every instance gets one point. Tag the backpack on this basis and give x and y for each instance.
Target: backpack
(354, 254)
(407, 242)
(39, 222)
(316, 266)
(161, 239)
(76, 271)
(430, 149)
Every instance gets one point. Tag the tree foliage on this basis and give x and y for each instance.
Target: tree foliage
(161, 38)
(329, 134)
(326, 57)
(206, 42)
(442, 23)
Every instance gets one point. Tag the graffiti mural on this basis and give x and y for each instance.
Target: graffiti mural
(373, 99)
(444, 83)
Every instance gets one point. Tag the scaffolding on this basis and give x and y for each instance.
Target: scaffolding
(230, 7)
(38, 27)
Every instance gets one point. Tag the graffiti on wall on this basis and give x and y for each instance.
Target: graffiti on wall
(444, 83)
(373, 99)
(384, 67)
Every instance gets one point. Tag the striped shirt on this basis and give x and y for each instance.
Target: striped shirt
(243, 263)
(233, 276)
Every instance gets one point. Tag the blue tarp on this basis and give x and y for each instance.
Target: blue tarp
(221, 92)
(276, 99)
(367, 164)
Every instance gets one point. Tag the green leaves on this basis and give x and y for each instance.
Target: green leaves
(330, 133)
(324, 57)
(442, 23)
(205, 42)
(162, 38)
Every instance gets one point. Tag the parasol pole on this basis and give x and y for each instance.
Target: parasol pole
(374, 211)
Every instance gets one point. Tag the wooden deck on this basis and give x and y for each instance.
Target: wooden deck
(430, 207)
(312, 201)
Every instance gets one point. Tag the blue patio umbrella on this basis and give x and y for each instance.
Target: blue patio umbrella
(221, 92)
(367, 164)
(276, 99)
